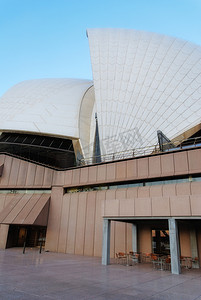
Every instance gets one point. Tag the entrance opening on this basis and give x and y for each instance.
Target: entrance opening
(160, 242)
(32, 235)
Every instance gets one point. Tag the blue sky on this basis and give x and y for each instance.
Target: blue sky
(47, 38)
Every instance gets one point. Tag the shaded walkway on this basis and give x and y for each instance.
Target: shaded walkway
(61, 276)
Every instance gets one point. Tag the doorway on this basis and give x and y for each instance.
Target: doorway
(33, 236)
(160, 242)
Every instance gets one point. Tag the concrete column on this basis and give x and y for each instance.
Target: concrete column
(174, 247)
(194, 248)
(106, 242)
(134, 237)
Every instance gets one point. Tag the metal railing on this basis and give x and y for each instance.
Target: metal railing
(137, 152)
(126, 154)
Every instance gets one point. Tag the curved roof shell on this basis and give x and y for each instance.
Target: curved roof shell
(45, 106)
(143, 82)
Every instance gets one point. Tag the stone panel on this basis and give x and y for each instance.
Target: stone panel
(39, 176)
(154, 166)
(126, 207)
(167, 164)
(84, 175)
(111, 208)
(47, 180)
(110, 171)
(183, 188)
(180, 206)
(93, 174)
(121, 170)
(194, 160)
(181, 163)
(81, 221)
(90, 224)
(120, 193)
(63, 232)
(143, 167)
(68, 177)
(143, 191)
(54, 219)
(100, 197)
(195, 201)
(160, 206)
(132, 169)
(156, 191)
(132, 192)
(58, 178)
(6, 171)
(70, 248)
(14, 172)
(76, 177)
(143, 207)
(169, 189)
(101, 173)
(196, 188)
(22, 174)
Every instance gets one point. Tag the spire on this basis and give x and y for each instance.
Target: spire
(96, 149)
(164, 143)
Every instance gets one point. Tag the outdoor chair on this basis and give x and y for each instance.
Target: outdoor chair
(186, 262)
(167, 264)
(195, 262)
(154, 261)
(146, 257)
(134, 257)
(121, 258)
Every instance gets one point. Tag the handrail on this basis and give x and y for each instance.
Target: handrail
(149, 150)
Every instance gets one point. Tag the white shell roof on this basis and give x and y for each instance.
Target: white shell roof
(45, 106)
(143, 82)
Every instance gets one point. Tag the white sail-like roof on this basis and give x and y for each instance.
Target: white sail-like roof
(46, 106)
(143, 82)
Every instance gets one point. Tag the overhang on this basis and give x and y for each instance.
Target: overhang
(26, 209)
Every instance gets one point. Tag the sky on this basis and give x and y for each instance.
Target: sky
(47, 38)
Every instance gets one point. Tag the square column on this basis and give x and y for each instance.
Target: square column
(106, 242)
(134, 237)
(174, 246)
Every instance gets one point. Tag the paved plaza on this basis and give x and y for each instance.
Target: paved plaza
(33, 276)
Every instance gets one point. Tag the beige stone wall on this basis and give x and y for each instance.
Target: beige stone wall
(170, 200)
(75, 225)
(167, 164)
(18, 173)
(75, 220)
(21, 174)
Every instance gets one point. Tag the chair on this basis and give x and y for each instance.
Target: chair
(167, 264)
(121, 257)
(146, 257)
(182, 261)
(155, 261)
(186, 262)
(135, 257)
(195, 262)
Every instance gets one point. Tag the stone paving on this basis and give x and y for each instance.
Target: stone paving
(46, 276)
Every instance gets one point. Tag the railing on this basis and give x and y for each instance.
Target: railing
(149, 150)
(126, 154)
